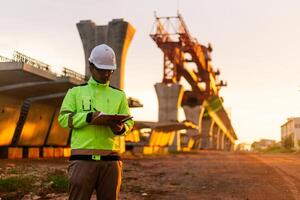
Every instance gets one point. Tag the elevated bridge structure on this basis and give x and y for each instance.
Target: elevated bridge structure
(30, 98)
(184, 57)
(31, 94)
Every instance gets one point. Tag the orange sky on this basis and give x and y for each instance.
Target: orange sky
(256, 45)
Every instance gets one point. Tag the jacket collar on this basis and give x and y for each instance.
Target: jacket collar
(93, 82)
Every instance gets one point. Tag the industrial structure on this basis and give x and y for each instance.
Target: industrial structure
(31, 95)
(184, 57)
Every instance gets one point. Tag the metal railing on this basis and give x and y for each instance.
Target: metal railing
(70, 73)
(4, 59)
(19, 57)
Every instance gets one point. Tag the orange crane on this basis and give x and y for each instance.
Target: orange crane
(179, 47)
(185, 57)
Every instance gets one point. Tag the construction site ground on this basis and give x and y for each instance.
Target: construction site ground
(200, 175)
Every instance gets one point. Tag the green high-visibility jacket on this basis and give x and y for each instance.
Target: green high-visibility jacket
(91, 97)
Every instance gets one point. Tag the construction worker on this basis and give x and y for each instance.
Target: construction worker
(95, 161)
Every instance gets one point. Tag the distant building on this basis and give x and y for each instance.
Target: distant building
(290, 133)
(262, 144)
(243, 147)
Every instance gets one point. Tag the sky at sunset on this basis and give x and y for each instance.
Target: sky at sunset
(256, 46)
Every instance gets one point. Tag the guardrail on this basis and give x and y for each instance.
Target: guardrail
(70, 73)
(19, 57)
(4, 59)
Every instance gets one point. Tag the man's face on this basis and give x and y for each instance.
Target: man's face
(101, 75)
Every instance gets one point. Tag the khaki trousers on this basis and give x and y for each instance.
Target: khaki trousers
(103, 176)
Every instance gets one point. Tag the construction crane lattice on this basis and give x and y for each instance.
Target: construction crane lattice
(180, 51)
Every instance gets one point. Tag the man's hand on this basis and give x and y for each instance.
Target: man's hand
(117, 127)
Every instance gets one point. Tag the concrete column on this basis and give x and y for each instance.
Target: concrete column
(232, 146)
(221, 139)
(214, 136)
(227, 143)
(206, 132)
(175, 146)
(169, 100)
(193, 114)
(117, 34)
(218, 139)
(229, 146)
(198, 142)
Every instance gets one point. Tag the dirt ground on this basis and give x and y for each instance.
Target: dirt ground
(211, 175)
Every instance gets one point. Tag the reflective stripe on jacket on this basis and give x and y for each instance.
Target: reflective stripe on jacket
(81, 100)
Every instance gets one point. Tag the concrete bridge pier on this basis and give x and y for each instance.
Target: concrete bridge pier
(193, 114)
(221, 140)
(206, 132)
(169, 100)
(215, 131)
(218, 140)
(228, 145)
(198, 142)
(232, 146)
(117, 34)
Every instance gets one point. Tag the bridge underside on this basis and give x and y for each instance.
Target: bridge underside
(30, 99)
(213, 129)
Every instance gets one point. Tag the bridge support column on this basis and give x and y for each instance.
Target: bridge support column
(221, 140)
(228, 144)
(214, 132)
(206, 132)
(117, 34)
(219, 132)
(232, 146)
(169, 100)
(193, 114)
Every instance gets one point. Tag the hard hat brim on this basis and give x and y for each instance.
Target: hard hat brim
(108, 67)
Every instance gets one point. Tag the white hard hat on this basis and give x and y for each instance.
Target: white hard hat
(103, 57)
